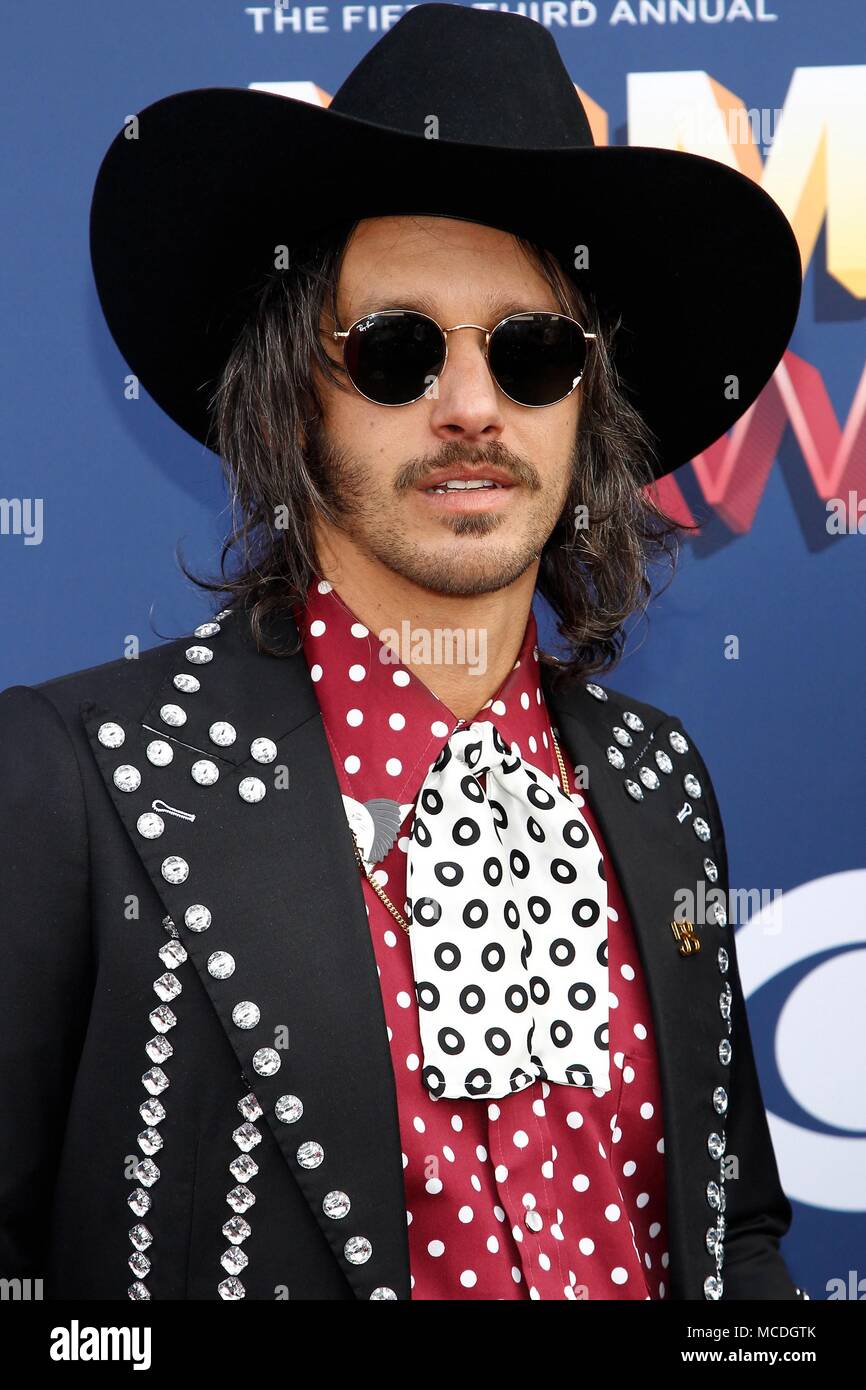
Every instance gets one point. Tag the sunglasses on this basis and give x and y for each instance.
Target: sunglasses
(393, 356)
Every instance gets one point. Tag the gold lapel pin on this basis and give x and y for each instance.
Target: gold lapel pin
(684, 934)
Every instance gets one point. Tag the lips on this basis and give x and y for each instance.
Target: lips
(463, 480)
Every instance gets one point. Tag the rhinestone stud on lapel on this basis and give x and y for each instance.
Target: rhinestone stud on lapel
(174, 869)
(197, 917)
(222, 733)
(597, 692)
(266, 1061)
(110, 735)
(127, 778)
(173, 715)
(264, 750)
(205, 772)
(199, 656)
(159, 752)
(189, 684)
(677, 741)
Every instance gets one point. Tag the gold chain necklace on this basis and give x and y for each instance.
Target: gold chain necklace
(563, 777)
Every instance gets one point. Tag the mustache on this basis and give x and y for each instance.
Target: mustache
(452, 455)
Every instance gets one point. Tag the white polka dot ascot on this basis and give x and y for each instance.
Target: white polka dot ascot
(508, 908)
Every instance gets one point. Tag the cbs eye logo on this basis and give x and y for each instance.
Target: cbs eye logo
(811, 977)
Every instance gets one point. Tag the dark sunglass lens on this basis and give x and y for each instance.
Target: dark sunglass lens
(394, 357)
(537, 358)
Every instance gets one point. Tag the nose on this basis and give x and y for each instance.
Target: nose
(464, 400)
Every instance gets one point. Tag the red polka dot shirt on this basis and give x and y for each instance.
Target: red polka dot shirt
(554, 1192)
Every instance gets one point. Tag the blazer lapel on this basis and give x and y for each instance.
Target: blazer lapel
(656, 856)
(259, 864)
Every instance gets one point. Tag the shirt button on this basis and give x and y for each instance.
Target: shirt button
(533, 1222)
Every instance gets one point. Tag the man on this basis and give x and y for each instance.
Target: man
(348, 961)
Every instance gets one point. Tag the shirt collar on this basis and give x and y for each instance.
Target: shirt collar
(384, 725)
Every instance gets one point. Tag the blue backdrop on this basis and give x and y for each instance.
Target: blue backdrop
(97, 490)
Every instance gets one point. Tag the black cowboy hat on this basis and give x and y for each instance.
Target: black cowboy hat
(699, 262)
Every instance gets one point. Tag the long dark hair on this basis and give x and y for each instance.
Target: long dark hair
(265, 410)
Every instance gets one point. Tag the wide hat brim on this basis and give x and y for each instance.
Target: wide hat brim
(700, 264)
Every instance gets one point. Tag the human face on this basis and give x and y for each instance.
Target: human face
(377, 463)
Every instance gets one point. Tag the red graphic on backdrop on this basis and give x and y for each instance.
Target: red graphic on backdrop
(733, 472)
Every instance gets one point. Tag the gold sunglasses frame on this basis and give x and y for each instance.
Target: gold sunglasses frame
(488, 334)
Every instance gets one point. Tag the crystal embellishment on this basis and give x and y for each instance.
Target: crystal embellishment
(155, 1081)
(187, 683)
(234, 1259)
(240, 1198)
(336, 1205)
(173, 715)
(246, 1014)
(110, 735)
(724, 1052)
(172, 954)
(251, 789)
(158, 1049)
(710, 870)
(649, 778)
(597, 692)
(246, 1136)
(700, 827)
(139, 1201)
(222, 733)
(236, 1230)
(150, 825)
(199, 656)
(264, 750)
(357, 1250)
(720, 1100)
(174, 869)
(266, 1061)
(231, 1289)
(168, 986)
(140, 1237)
(615, 758)
(126, 778)
(159, 752)
(622, 736)
(205, 772)
(243, 1168)
(691, 784)
(288, 1109)
(250, 1108)
(197, 917)
(310, 1154)
(634, 791)
(678, 742)
(663, 761)
(220, 965)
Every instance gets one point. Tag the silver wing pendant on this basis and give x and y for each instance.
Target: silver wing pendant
(376, 825)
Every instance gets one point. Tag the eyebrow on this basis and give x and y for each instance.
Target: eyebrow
(497, 307)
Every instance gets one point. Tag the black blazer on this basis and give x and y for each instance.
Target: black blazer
(87, 908)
